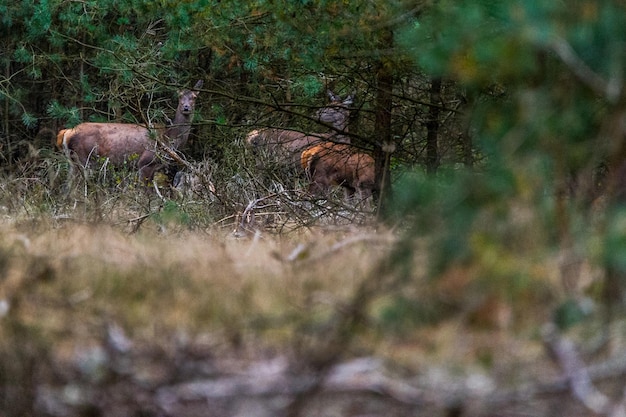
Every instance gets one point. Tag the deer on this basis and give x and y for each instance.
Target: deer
(331, 164)
(286, 145)
(334, 162)
(283, 144)
(177, 134)
(119, 142)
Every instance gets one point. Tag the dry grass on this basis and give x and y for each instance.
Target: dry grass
(77, 277)
(198, 280)
(191, 282)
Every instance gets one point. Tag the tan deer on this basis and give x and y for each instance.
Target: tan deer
(118, 142)
(286, 145)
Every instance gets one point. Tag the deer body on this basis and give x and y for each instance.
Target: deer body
(116, 141)
(285, 145)
(336, 164)
(120, 141)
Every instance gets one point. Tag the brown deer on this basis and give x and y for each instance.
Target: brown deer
(287, 145)
(120, 141)
(337, 164)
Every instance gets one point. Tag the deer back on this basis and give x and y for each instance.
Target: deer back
(283, 144)
(116, 141)
(335, 164)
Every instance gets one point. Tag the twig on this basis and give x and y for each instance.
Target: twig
(297, 254)
(138, 222)
(156, 189)
(247, 220)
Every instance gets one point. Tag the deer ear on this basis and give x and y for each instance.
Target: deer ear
(198, 84)
(349, 100)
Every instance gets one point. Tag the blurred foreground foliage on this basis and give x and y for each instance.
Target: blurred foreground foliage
(552, 141)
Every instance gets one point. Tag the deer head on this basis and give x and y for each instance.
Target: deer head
(337, 113)
(187, 99)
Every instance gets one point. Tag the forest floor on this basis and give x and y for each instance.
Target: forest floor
(98, 321)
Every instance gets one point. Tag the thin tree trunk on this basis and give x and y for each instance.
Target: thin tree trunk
(432, 127)
(468, 155)
(467, 145)
(614, 291)
(382, 127)
(6, 129)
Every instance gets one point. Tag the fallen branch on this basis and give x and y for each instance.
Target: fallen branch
(274, 378)
(247, 223)
(277, 382)
(580, 383)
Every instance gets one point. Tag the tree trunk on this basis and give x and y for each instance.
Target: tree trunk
(432, 127)
(614, 288)
(383, 145)
(6, 119)
(467, 145)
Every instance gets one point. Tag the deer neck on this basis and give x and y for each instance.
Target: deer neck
(339, 120)
(341, 135)
(179, 131)
(341, 124)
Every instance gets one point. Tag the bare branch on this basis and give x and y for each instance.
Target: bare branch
(274, 378)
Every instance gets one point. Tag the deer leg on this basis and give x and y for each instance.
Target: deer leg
(348, 192)
(366, 197)
(148, 165)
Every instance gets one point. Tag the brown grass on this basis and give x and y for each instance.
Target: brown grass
(190, 282)
(193, 282)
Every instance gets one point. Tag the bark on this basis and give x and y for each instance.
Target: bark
(384, 105)
(467, 145)
(432, 127)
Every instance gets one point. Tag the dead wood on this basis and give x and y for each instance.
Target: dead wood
(579, 380)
